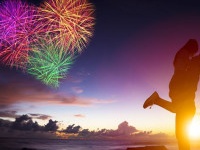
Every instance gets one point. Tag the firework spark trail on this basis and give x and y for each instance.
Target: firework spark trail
(45, 40)
(18, 30)
(68, 21)
(50, 63)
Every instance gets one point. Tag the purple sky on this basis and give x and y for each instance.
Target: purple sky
(129, 56)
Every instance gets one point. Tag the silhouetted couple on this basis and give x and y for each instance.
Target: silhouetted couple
(182, 88)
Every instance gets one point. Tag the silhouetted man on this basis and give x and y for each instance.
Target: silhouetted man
(182, 88)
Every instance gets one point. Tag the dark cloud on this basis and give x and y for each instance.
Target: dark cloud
(84, 132)
(5, 123)
(51, 126)
(13, 114)
(40, 116)
(8, 114)
(22, 119)
(25, 123)
(72, 129)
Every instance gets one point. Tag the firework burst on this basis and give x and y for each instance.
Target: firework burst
(17, 28)
(68, 21)
(50, 63)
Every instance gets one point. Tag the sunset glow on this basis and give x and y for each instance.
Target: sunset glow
(194, 129)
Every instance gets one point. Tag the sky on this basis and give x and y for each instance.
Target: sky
(128, 58)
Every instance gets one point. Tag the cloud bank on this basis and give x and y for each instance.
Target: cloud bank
(25, 127)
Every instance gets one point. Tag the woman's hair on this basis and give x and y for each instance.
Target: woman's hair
(188, 50)
(191, 46)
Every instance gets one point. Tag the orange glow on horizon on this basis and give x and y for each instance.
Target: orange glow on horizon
(62, 135)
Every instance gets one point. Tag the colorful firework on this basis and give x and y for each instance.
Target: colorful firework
(68, 21)
(64, 27)
(17, 28)
(50, 63)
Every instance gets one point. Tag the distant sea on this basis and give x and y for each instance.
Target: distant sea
(69, 144)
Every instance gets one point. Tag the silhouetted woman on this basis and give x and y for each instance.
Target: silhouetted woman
(182, 88)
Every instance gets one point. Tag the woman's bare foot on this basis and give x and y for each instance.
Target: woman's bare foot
(151, 100)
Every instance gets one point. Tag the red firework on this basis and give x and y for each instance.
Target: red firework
(68, 21)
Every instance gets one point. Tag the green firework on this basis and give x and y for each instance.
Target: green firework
(50, 62)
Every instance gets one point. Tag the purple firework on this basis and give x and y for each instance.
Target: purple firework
(18, 30)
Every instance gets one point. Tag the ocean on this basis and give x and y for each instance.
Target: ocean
(56, 144)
